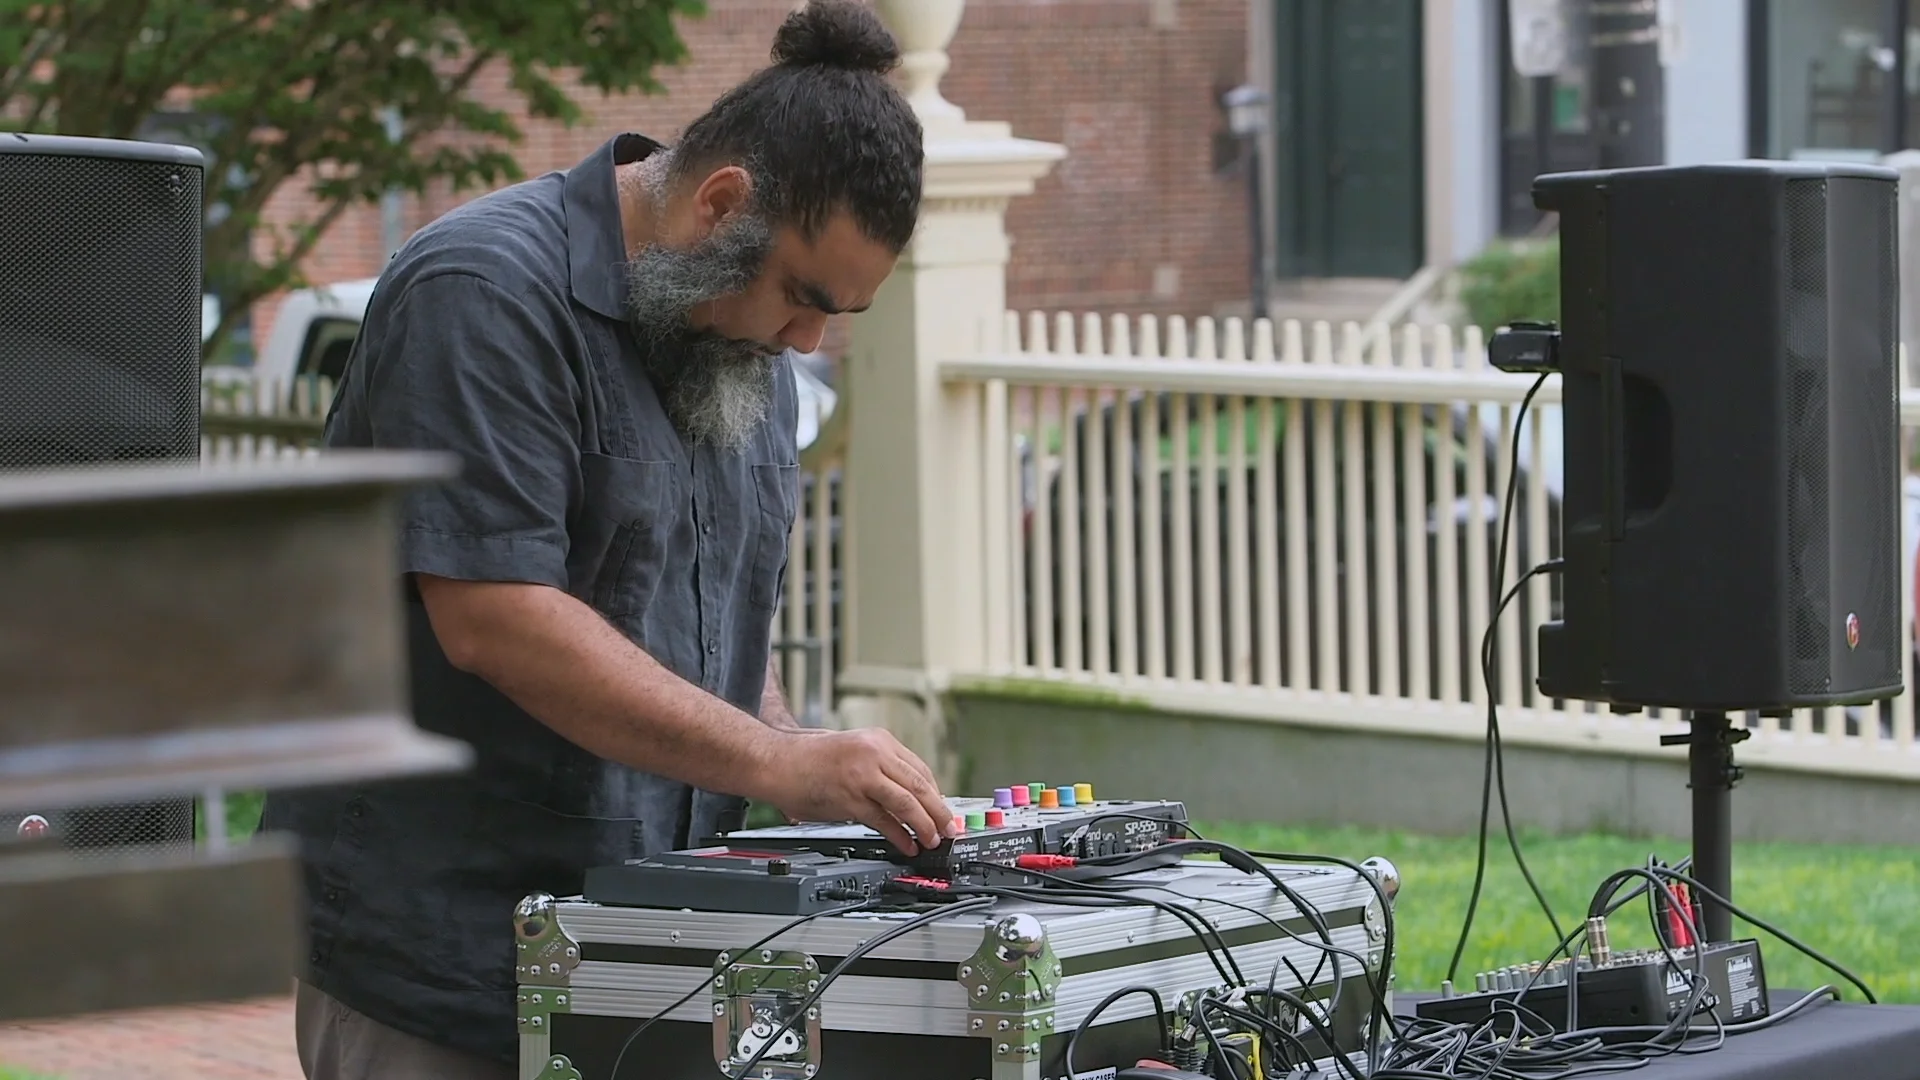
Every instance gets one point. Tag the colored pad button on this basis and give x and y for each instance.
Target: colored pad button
(1022, 795)
(976, 820)
(1036, 791)
(996, 818)
(1083, 793)
(1003, 798)
(1049, 799)
(959, 823)
(1066, 796)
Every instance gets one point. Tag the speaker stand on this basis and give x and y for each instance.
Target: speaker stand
(1711, 773)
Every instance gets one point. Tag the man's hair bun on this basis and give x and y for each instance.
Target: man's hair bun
(836, 33)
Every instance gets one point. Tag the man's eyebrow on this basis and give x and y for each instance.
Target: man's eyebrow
(814, 296)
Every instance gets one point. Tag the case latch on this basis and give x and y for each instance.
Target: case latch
(760, 1009)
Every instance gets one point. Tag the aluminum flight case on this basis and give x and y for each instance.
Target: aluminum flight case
(981, 995)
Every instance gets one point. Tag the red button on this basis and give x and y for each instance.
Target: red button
(996, 819)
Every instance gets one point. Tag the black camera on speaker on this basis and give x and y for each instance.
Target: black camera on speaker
(1728, 354)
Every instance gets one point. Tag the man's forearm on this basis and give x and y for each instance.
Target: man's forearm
(774, 710)
(560, 661)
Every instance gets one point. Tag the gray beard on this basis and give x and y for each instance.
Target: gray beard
(716, 390)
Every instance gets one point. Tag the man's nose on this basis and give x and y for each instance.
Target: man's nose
(804, 334)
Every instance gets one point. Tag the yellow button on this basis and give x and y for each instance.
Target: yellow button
(1083, 793)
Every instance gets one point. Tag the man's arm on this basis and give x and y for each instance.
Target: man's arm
(557, 659)
(774, 710)
(462, 364)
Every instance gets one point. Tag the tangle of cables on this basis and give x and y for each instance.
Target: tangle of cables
(1293, 1021)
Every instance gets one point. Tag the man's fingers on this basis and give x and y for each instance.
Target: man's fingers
(919, 786)
(900, 803)
(888, 826)
(912, 761)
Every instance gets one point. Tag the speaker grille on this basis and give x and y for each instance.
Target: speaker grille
(100, 286)
(99, 310)
(1808, 594)
(1865, 513)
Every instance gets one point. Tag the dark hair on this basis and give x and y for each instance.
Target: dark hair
(822, 130)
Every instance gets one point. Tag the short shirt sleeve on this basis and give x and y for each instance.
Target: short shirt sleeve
(466, 367)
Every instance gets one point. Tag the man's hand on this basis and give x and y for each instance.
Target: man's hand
(864, 776)
(575, 673)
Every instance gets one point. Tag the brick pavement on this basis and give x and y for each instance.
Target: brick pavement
(250, 1040)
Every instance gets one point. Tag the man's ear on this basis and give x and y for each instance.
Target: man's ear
(725, 192)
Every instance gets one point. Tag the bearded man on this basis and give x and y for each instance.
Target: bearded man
(590, 603)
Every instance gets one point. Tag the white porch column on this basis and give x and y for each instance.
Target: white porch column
(916, 525)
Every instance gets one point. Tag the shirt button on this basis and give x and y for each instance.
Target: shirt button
(713, 647)
(707, 527)
(314, 957)
(333, 895)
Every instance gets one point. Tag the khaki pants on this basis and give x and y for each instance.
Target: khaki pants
(336, 1043)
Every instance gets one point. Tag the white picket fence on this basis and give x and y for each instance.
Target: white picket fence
(1293, 523)
(1206, 519)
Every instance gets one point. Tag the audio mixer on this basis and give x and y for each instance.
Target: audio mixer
(796, 869)
(1028, 820)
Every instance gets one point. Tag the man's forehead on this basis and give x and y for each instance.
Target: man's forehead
(819, 295)
(837, 272)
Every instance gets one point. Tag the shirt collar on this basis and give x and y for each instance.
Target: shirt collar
(596, 240)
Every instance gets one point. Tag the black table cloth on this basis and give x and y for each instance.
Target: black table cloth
(1830, 1039)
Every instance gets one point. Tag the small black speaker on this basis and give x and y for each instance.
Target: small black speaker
(1732, 503)
(100, 306)
(100, 293)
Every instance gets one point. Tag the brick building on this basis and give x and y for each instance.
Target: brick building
(1139, 216)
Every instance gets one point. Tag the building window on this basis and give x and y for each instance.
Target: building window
(1830, 68)
(1564, 142)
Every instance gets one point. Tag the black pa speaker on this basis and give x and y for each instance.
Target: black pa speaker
(1732, 506)
(100, 302)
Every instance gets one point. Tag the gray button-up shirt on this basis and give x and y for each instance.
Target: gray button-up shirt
(498, 334)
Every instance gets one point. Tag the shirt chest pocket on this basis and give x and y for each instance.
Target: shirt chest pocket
(776, 490)
(625, 531)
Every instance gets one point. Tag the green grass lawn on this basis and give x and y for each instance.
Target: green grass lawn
(1858, 905)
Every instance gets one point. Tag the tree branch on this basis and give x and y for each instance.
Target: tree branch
(40, 39)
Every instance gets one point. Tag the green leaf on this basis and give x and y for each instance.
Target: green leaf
(282, 93)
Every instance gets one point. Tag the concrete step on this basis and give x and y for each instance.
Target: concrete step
(1334, 300)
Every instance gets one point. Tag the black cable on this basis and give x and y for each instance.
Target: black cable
(1203, 930)
(854, 956)
(1789, 939)
(1530, 1049)
(1379, 1016)
(1127, 816)
(1086, 1022)
(1246, 862)
(795, 924)
(1494, 770)
(1123, 892)
(1268, 1026)
(1312, 1019)
(1122, 888)
(1250, 862)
